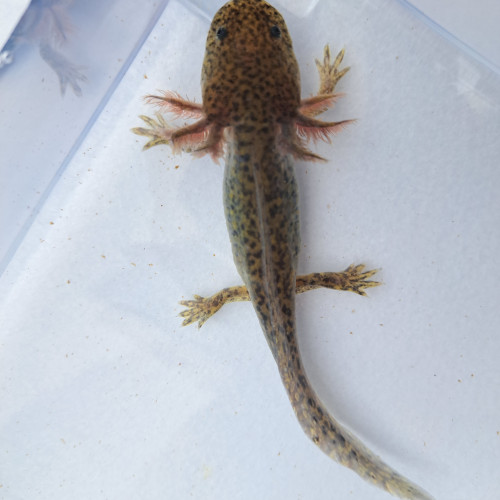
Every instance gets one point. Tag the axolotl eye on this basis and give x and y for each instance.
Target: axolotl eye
(275, 31)
(221, 33)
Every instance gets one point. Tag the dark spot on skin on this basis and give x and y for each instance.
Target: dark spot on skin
(303, 381)
(342, 440)
(221, 33)
(275, 32)
(247, 129)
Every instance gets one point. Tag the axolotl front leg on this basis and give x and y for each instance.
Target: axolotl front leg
(204, 137)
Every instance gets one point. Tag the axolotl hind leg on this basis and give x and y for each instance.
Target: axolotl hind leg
(353, 279)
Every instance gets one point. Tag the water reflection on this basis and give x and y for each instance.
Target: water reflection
(47, 25)
(80, 41)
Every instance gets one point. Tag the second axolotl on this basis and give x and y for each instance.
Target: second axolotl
(253, 114)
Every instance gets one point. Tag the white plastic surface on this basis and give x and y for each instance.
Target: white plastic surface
(10, 13)
(104, 395)
(474, 23)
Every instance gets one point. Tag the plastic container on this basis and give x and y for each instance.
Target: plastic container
(104, 395)
(57, 71)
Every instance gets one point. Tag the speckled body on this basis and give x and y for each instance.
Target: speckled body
(252, 85)
(260, 201)
(252, 108)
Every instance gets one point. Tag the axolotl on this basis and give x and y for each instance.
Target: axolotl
(252, 114)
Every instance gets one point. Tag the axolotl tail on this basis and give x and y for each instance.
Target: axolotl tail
(340, 444)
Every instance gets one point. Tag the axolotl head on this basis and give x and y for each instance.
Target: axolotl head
(250, 72)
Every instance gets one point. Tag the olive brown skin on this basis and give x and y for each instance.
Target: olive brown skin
(253, 115)
(249, 73)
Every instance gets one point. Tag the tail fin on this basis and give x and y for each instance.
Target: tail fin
(338, 443)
